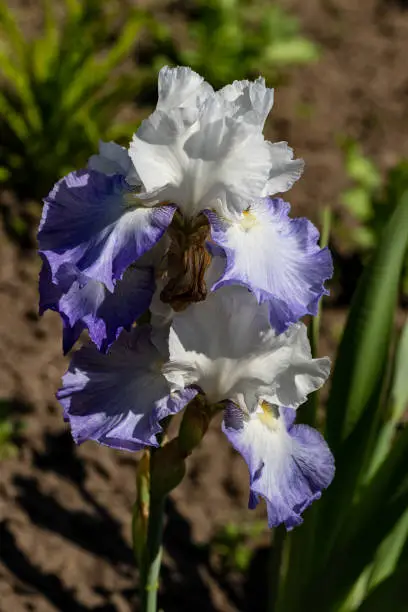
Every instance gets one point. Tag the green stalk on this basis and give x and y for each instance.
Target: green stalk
(147, 524)
(151, 570)
(277, 567)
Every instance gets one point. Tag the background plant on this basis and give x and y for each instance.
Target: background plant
(237, 39)
(366, 206)
(63, 90)
(352, 551)
(10, 429)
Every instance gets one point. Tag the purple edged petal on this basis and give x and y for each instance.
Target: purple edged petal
(276, 257)
(289, 465)
(86, 304)
(120, 398)
(95, 222)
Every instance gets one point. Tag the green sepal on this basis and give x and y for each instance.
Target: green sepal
(167, 469)
(194, 425)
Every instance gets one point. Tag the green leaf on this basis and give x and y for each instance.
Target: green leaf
(391, 594)
(370, 520)
(74, 9)
(364, 347)
(389, 553)
(396, 404)
(94, 74)
(357, 200)
(355, 404)
(360, 168)
(13, 118)
(4, 174)
(13, 33)
(296, 50)
(399, 393)
(19, 80)
(45, 48)
(364, 237)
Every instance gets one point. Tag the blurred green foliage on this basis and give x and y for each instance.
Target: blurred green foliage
(370, 201)
(352, 551)
(61, 91)
(359, 198)
(239, 39)
(235, 544)
(10, 428)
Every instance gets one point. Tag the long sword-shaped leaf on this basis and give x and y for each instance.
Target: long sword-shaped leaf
(11, 29)
(399, 393)
(93, 74)
(369, 521)
(398, 403)
(356, 404)
(389, 553)
(392, 594)
(364, 347)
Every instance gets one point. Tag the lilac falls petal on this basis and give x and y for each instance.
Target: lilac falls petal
(120, 398)
(85, 303)
(289, 465)
(276, 257)
(88, 220)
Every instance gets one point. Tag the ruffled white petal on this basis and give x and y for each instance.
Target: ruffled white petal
(226, 346)
(284, 170)
(302, 376)
(181, 87)
(250, 101)
(195, 166)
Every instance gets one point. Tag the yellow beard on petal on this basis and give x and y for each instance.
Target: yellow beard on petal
(269, 416)
(248, 221)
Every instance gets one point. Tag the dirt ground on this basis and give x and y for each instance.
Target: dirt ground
(66, 511)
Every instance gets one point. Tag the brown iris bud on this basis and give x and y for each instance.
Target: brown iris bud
(187, 261)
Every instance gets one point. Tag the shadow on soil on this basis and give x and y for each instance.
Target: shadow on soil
(185, 579)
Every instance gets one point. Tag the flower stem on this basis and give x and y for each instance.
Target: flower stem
(151, 570)
(277, 568)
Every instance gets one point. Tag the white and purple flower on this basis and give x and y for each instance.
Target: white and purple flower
(225, 349)
(190, 206)
(200, 153)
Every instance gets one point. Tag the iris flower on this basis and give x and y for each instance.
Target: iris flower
(197, 180)
(226, 350)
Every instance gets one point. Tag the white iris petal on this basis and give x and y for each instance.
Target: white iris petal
(226, 347)
(200, 148)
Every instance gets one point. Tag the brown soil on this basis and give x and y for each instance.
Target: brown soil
(65, 511)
